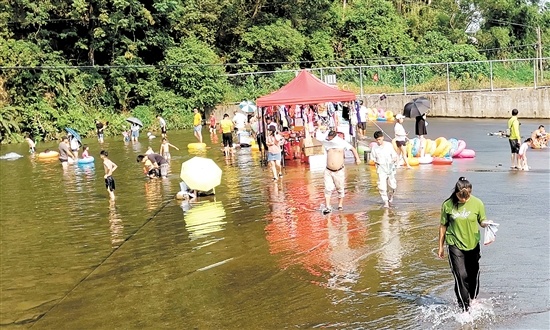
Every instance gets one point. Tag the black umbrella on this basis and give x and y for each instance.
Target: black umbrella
(416, 107)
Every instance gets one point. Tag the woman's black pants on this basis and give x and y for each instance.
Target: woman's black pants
(465, 269)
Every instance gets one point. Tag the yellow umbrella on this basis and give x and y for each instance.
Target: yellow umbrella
(201, 173)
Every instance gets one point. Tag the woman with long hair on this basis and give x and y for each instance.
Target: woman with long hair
(274, 152)
(401, 139)
(461, 215)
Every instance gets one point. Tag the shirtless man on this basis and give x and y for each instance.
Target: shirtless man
(539, 137)
(335, 174)
(110, 167)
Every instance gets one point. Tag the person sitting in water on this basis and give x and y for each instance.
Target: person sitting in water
(85, 152)
(188, 193)
(499, 133)
(539, 138)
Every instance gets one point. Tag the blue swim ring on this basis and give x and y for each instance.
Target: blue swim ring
(86, 160)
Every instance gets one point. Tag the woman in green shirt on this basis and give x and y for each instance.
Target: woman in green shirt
(461, 215)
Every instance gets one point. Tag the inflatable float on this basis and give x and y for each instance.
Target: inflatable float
(48, 155)
(196, 146)
(466, 153)
(374, 114)
(87, 160)
(438, 148)
(442, 161)
(427, 159)
(11, 156)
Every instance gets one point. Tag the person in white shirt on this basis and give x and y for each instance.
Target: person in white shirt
(401, 139)
(162, 124)
(239, 121)
(74, 144)
(384, 157)
(335, 175)
(522, 154)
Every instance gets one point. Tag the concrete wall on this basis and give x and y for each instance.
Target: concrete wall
(531, 103)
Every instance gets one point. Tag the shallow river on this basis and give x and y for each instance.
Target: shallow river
(259, 255)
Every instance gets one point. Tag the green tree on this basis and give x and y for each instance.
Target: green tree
(194, 71)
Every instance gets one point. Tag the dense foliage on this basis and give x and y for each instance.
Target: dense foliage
(66, 63)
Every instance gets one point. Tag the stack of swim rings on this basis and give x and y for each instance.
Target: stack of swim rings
(379, 115)
(438, 152)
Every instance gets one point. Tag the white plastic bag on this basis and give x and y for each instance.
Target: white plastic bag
(490, 233)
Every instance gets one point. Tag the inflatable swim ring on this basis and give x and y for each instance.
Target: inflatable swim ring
(417, 145)
(442, 147)
(381, 119)
(49, 154)
(427, 159)
(466, 153)
(454, 147)
(372, 114)
(461, 146)
(86, 160)
(389, 115)
(413, 161)
(408, 146)
(442, 161)
(196, 146)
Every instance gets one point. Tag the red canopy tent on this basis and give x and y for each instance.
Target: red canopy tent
(305, 89)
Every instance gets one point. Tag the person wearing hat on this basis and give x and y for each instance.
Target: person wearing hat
(401, 139)
(274, 141)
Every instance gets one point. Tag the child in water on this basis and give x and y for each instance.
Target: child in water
(85, 152)
(31, 143)
(165, 149)
(522, 155)
(110, 167)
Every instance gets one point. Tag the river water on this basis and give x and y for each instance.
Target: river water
(259, 255)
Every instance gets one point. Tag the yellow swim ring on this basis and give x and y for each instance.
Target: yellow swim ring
(389, 115)
(409, 146)
(196, 146)
(441, 143)
(413, 161)
(49, 154)
(430, 147)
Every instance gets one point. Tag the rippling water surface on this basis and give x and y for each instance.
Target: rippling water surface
(259, 255)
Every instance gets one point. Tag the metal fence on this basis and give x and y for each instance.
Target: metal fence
(423, 77)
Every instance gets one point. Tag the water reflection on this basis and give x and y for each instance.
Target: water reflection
(363, 268)
(328, 247)
(116, 226)
(203, 218)
(347, 247)
(153, 193)
(392, 252)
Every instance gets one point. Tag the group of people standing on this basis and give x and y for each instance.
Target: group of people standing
(538, 139)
